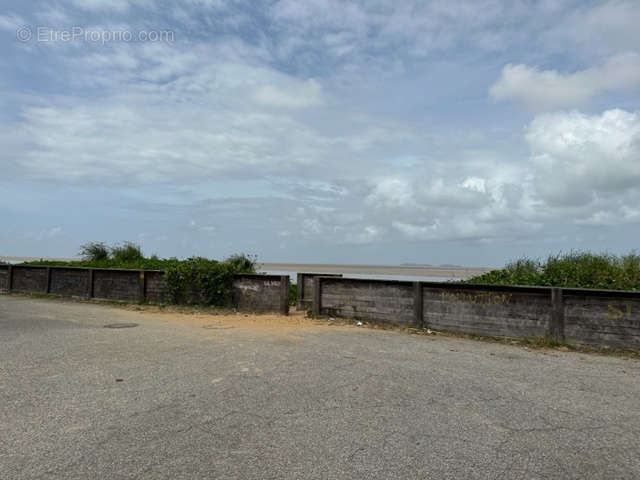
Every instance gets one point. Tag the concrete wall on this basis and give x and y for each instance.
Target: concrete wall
(4, 276)
(118, 285)
(505, 312)
(304, 297)
(602, 317)
(261, 293)
(380, 300)
(156, 288)
(29, 279)
(70, 281)
(258, 293)
(577, 316)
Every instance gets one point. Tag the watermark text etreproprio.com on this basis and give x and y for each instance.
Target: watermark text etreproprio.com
(44, 34)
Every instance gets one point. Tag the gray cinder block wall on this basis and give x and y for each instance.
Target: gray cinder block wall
(261, 293)
(577, 316)
(505, 312)
(601, 317)
(380, 300)
(304, 292)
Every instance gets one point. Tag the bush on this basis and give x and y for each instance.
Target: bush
(94, 252)
(575, 269)
(199, 280)
(128, 252)
(293, 293)
(242, 262)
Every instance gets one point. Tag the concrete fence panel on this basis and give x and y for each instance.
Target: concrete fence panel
(305, 281)
(117, 284)
(379, 300)
(156, 289)
(602, 317)
(69, 281)
(261, 293)
(504, 312)
(4, 277)
(29, 279)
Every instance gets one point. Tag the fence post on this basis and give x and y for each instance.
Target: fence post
(556, 329)
(284, 294)
(141, 281)
(417, 304)
(48, 287)
(10, 278)
(90, 285)
(317, 291)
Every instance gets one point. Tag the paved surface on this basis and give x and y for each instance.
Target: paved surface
(243, 399)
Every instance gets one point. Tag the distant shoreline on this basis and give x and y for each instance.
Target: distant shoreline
(358, 269)
(404, 270)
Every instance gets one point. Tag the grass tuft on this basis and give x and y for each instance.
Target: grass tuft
(574, 269)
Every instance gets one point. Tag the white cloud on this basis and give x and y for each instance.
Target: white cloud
(548, 89)
(476, 184)
(314, 122)
(410, 28)
(600, 29)
(104, 5)
(581, 158)
(418, 232)
(392, 192)
(295, 95)
(581, 170)
(368, 234)
(187, 121)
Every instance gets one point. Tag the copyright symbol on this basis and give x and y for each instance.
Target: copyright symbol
(24, 34)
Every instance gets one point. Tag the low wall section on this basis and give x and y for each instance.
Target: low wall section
(380, 300)
(577, 316)
(260, 293)
(304, 292)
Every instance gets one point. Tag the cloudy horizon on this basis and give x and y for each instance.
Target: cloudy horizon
(321, 131)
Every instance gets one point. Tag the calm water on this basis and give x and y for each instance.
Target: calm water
(410, 278)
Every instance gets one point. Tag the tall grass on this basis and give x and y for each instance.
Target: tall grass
(574, 269)
(127, 252)
(94, 251)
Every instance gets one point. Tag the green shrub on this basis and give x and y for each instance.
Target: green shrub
(242, 262)
(574, 269)
(199, 280)
(293, 293)
(127, 252)
(94, 251)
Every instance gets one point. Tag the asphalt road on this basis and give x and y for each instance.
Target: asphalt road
(187, 397)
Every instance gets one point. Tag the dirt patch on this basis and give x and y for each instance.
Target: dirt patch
(218, 320)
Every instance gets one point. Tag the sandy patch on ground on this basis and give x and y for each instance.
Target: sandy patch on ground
(294, 321)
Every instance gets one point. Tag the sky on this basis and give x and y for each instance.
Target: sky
(469, 132)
